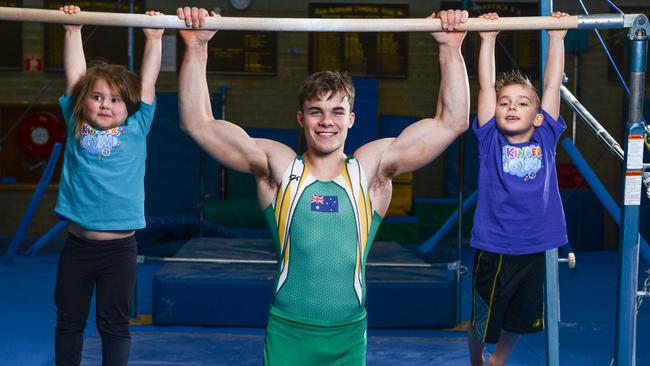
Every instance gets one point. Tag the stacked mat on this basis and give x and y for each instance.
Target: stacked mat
(239, 295)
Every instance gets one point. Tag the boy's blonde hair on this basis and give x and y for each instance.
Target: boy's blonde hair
(515, 77)
(326, 81)
(118, 78)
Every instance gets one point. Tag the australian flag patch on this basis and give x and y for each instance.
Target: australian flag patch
(324, 203)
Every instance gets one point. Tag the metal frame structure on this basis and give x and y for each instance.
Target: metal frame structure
(625, 348)
(551, 288)
(630, 240)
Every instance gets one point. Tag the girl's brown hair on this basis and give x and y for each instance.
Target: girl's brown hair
(118, 78)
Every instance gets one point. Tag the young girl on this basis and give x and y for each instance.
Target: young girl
(109, 112)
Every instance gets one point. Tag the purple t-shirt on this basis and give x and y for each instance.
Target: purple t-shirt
(519, 210)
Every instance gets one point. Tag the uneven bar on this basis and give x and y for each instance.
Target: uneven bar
(315, 24)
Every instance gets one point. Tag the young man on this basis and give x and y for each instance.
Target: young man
(519, 211)
(323, 207)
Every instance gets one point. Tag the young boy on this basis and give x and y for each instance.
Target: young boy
(519, 211)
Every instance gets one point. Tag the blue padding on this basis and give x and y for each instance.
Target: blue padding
(213, 294)
(430, 244)
(400, 219)
(365, 110)
(401, 297)
(239, 295)
(470, 164)
(172, 177)
(392, 126)
(33, 204)
(49, 235)
(600, 191)
(584, 219)
(448, 200)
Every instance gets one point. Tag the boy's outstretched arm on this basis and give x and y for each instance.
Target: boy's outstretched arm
(423, 141)
(74, 60)
(487, 95)
(554, 69)
(151, 59)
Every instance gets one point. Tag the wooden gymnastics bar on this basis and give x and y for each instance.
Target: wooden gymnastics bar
(596, 21)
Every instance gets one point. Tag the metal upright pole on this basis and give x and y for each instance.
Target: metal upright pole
(625, 350)
(461, 178)
(461, 185)
(223, 173)
(131, 60)
(201, 193)
(576, 72)
(551, 293)
(131, 40)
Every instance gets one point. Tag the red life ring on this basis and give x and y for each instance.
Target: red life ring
(38, 132)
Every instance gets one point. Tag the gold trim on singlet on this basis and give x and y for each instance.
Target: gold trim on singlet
(295, 179)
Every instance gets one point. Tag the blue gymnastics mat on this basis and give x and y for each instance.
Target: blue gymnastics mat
(587, 331)
(244, 347)
(239, 295)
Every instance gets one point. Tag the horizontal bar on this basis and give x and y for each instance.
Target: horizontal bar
(144, 258)
(311, 24)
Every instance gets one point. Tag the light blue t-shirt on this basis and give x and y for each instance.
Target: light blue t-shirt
(102, 180)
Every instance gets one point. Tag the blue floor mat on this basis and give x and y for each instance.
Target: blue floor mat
(180, 348)
(27, 311)
(28, 314)
(174, 346)
(588, 305)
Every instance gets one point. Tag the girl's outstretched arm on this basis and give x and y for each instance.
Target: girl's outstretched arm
(74, 60)
(151, 61)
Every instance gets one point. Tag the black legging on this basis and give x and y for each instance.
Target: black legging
(111, 266)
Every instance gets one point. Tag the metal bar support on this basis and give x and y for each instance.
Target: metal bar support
(625, 348)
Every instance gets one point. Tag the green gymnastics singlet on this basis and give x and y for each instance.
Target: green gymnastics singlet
(325, 230)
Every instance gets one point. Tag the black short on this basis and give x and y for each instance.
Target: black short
(508, 294)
